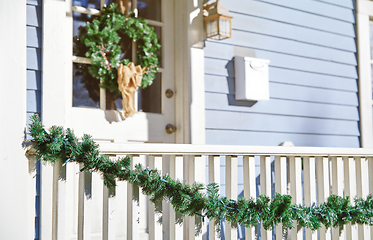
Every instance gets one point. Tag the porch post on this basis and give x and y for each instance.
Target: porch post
(17, 205)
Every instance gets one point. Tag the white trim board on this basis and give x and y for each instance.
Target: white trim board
(363, 12)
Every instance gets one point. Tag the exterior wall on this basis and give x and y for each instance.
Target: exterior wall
(17, 206)
(312, 74)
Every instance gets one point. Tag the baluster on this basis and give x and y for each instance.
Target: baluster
(97, 205)
(309, 189)
(166, 206)
(120, 202)
(155, 228)
(370, 166)
(323, 189)
(84, 205)
(174, 169)
(194, 170)
(280, 185)
(350, 190)
(200, 177)
(231, 173)
(189, 174)
(171, 228)
(362, 189)
(109, 211)
(72, 199)
(265, 188)
(296, 191)
(249, 188)
(214, 176)
(179, 174)
(59, 201)
(133, 207)
(46, 217)
(109, 214)
(337, 189)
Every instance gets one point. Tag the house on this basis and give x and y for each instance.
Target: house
(319, 83)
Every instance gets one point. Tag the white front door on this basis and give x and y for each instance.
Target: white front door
(97, 112)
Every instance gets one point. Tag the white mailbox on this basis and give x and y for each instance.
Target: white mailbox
(251, 78)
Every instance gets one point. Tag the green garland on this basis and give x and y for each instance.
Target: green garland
(191, 200)
(107, 41)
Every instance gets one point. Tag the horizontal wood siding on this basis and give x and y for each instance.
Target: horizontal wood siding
(34, 81)
(34, 62)
(312, 73)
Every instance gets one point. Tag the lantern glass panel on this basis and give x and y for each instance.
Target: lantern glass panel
(224, 27)
(212, 27)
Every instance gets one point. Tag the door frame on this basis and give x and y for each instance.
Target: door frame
(189, 72)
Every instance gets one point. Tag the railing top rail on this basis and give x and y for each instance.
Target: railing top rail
(191, 149)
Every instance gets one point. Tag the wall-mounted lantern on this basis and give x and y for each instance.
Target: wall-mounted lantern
(218, 23)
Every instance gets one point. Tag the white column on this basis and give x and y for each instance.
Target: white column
(17, 207)
(364, 81)
(189, 72)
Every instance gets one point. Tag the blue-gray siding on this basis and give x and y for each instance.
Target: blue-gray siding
(34, 81)
(34, 48)
(312, 74)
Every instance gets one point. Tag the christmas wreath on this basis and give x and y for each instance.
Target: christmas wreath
(107, 41)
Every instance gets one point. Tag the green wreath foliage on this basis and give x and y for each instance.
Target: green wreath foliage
(107, 41)
(191, 199)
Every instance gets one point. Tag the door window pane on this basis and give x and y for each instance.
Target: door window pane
(150, 98)
(79, 22)
(150, 9)
(113, 101)
(95, 4)
(158, 31)
(86, 90)
(371, 39)
(371, 74)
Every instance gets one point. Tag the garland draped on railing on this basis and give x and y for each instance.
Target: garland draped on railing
(191, 199)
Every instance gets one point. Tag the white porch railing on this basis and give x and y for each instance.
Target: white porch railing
(77, 205)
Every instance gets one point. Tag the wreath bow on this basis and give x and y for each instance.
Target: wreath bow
(129, 80)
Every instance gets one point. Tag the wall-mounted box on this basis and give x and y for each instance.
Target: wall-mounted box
(251, 76)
